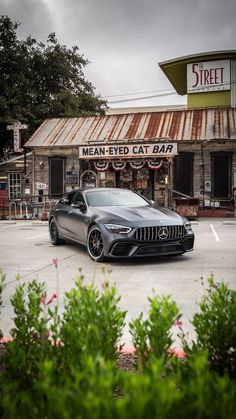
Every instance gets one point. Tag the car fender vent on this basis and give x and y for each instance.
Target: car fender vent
(121, 249)
(188, 244)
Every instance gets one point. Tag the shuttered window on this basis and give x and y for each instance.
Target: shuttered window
(56, 176)
(183, 173)
(221, 167)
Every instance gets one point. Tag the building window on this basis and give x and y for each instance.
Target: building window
(221, 167)
(14, 185)
(56, 176)
(183, 173)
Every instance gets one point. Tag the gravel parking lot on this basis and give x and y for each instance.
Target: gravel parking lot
(26, 250)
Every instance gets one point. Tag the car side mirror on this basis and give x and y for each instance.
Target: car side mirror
(65, 201)
(80, 204)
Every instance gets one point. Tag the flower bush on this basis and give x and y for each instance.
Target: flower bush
(215, 328)
(152, 336)
(64, 366)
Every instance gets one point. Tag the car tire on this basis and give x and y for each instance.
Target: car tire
(94, 245)
(54, 236)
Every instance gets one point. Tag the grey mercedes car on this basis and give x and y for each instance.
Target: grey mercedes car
(118, 223)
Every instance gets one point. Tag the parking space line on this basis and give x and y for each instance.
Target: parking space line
(38, 235)
(214, 233)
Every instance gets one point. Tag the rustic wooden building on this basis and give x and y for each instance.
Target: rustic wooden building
(182, 158)
(194, 154)
(15, 184)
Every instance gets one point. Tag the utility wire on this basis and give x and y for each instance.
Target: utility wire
(168, 92)
(140, 97)
(138, 93)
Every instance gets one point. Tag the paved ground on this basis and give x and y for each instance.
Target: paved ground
(25, 250)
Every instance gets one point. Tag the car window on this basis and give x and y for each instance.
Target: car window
(114, 198)
(78, 198)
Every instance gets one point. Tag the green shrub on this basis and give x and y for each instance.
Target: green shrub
(152, 336)
(86, 393)
(64, 367)
(150, 394)
(32, 339)
(215, 327)
(92, 323)
(205, 393)
(2, 283)
(202, 394)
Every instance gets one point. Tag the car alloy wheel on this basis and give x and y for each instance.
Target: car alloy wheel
(55, 240)
(95, 244)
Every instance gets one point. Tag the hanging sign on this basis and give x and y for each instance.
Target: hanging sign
(128, 151)
(101, 166)
(16, 127)
(155, 164)
(137, 164)
(118, 165)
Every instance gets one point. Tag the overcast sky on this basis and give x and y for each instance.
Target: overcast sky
(126, 39)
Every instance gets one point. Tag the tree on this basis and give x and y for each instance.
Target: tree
(41, 81)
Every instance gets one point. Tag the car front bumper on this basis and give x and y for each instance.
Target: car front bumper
(128, 248)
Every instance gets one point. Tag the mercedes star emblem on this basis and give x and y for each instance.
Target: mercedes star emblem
(163, 233)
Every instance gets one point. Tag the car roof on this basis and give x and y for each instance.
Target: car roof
(98, 189)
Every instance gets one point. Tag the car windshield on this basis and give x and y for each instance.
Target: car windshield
(116, 197)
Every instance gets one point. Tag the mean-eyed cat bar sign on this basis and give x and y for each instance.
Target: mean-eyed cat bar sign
(128, 150)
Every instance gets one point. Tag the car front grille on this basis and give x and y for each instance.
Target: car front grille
(160, 250)
(160, 233)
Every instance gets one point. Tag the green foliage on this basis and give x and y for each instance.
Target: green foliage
(30, 333)
(215, 327)
(152, 336)
(88, 392)
(77, 376)
(2, 283)
(205, 393)
(41, 81)
(52, 357)
(149, 394)
(92, 323)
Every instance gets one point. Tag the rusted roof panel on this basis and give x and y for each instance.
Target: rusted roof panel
(184, 125)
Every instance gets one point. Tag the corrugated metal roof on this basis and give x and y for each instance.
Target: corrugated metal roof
(181, 125)
(15, 158)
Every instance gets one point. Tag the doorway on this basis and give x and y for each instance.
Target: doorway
(183, 173)
(56, 176)
(221, 167)
(141, 181)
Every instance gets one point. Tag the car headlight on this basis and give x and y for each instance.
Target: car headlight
(116, 228)
(188, 226)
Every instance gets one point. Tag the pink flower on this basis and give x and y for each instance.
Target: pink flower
(55, 262)
(52, 298)
(178, 323)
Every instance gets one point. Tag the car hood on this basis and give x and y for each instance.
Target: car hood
(137, 215)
